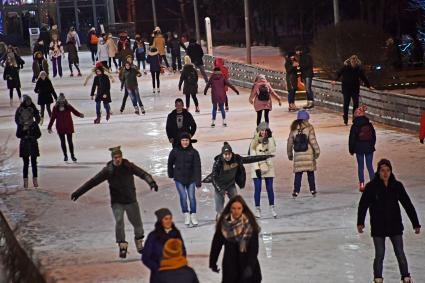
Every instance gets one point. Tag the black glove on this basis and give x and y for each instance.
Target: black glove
(215, 269)
(237, 92)
(421, 141)
(74, 196)
(154, 187)
(258, 173)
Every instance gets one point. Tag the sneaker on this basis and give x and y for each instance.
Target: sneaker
(361, 187)
(257, 212)
(193, 219)
(123, 249)
(139, 245)
(187, 219)
(273, 211)
(142, 109)
(136, 110)
(212, 123)
(35, 182)
(65, 158)
(294, 194)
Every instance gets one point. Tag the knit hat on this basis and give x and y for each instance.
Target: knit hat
(361, 111)
(187, 60)
(384, 162)
(184, 135)
(115, 151)
(260, 77)
(303, 115)
(262, 126)
(226, 148)
(172, 255)
(161, 213)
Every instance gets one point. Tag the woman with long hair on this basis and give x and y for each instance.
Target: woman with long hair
(11, 75)
(46, 93)
(238, 231)
(154, 60)
(56, 53)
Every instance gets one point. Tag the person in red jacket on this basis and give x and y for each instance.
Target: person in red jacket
(64, 125)
(422, 129)
(219, 63)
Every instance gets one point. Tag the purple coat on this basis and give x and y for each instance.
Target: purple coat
(218, 84)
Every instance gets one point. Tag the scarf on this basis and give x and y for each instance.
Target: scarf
(237, 230)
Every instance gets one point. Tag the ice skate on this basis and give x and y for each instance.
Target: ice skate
(292, 107)
(79, 74)
(227, 108)
(65, 158)
(108, 115)
(153, 91)
(136, 110)
(187, 219)
(313, 193)
(224, 123)
(361, 187)
(11, 103)
(294, 195)
(257, 212)
(139, 245)
(158, 90)
(197, 109)
(73, 158)
(71, 75)
(123, 249)
(35, 182)
(97, 120)
(273, 211)
(407, 280)
(212, 123)
(41, 120)
(310, 105)
(193, 219)
(142, 109)
(25, 183)
(378, 280)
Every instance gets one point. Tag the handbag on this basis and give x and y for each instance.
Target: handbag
(264, 167)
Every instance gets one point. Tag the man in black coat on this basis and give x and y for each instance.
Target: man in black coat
(120, 175)
(173, 47)
(307, 74)
(178, 121)
(195, 52)
(381, 197)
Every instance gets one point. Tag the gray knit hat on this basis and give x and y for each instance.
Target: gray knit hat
(161, 213)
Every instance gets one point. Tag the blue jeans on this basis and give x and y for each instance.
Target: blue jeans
(185, 192)
(291, 96)
(369, 164)
(269, 188)
(307, 84)
(105, 105)
(214, 110)
(298, 179)
(135, 96)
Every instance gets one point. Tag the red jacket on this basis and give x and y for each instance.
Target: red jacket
(219, 62)
(64, 124)
(422, 129)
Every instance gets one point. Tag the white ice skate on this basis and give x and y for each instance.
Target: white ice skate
(273, 211)
(187, 219)
(212, 123)
(193, 219)
(378, 280)
(123, 249)
(257, 212)
(224, 123)
(407, 280)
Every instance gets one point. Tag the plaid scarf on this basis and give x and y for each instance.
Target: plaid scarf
(237, 230)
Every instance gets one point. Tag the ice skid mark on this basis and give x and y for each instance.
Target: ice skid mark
(268, 243)
(205, 196)
(168, 193)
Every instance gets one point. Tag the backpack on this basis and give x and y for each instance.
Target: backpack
(94, 39)
(263, 93)
(365, 132)
(192, 77)
(300, 141)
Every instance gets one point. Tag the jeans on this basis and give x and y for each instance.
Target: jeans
(33, 166)
(260, 114)
(307, 84)
(176, 61)
(298, 179)
(185, 192)
(203, 73)
(360, 166)
(291, 96)
(155, 75)
(18, 91)
(347, 99)
(164, 57)
(214, 110)
(269, 188)
(378, 262)
(70, 144)
(47, 107)
(76, 66)
(219, 197)
(195, 99)
(133, 215)
(135, 96)
(93, 51)
(105, 105)
(57, 66)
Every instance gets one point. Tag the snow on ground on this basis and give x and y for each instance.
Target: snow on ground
(313, 239)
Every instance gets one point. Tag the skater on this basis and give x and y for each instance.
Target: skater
(422, 129)
(27, 118)
(173, 47)
(238, 231)
(64, 124)
(102, 53)
(362, 142)
(382, 196)
(184, 166)
(154, 61)
(73, 58)
(120, 175)
(159, 44)
(112, 52)
(45, 37)
(190, 78)
(173, 267)
(307, 74)
(72, 35)
(179, 121)
(124, 48)
(130, 60)
(39, 64)
(217, 82)
(129, 81)
(46, 94)
(154, 246)
(263, 143)
(139, 48)
(261, 97)
(351, 73)
(195, 52)
(11, 75)
(219, 62)
(291, 66)
(303, 149)
(12, 54)
(92, 42)
(56, 54)
(102, 86)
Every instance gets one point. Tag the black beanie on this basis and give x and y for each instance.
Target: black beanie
(184, 135)
(385, 162)
(226, 148)
(161, 213)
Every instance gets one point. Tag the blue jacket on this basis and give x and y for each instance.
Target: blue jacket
(154, 62)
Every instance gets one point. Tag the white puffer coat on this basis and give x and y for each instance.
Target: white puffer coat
(304, 161)
(258, 148)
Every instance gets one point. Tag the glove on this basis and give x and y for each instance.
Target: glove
(154, 187)
(258, 173)
(237, 92)
(82, 115)
(74, 196)
(421, 141)
(215, 269)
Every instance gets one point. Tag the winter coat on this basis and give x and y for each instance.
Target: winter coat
(38, 66)
(73, 36)
(219, 62)
(139, 48)
(72, 53)
(184, 165)
(44, 36)
(189, 87)
(45, 91)
(159, 44)
(89, 44)
(154, 61)
(306, 66)
(259, 104)
(173, 46)
(64, 123)
(258, 148)
(357, 146)
(55, 49)
(124, 49)
(304, 161)
(11, 75)
(225, 174)
(235, 263)
(103, 85)
(181, 275)
(384, 210)
(218, 84)
(121, 181)
(422, 127)
(112, 47)
(102, 52)
(28, 145)
(350, 81)
(154, 246)
(189, 125)
(291, 75)
(195, 52)
(129, 78)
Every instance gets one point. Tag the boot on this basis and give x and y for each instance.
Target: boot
(139, 245)
(310, 104)
(25, 183)
(407, 280)
(108, 115)
(212, 123)
(193, 219)
(257, 212)
(224, 123)
(142, 109)
(378, 280)
(361, 187)
(35, 182)
(187, 219)
(274, 214)
(97, 120)
(123, 249)
(136, 110)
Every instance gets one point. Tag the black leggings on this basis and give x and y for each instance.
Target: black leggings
(33, 166)
(347, 99)
(76, 66)
(70, 144)
(18, 90)
(195, 99)
(112, 59)
(47, 106)
(266, 116)
(164, 57)
(155, 74)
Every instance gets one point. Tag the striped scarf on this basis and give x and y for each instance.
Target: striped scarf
(237, 230)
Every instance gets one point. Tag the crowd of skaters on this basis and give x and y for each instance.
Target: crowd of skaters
(237, 229)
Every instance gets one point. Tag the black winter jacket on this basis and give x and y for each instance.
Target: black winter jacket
(182, 275)
(354, 144)
(195, 52)
(103, 85)
(28, 145)
(154, 62)
(173, 46)
(11, 76)
(291, 75)
(130, 78)
(306, 66)
(45, 91)
(188, 72)
(350, 82)
(121, 181)
(184, 165)
(382, 202)
(189, 125)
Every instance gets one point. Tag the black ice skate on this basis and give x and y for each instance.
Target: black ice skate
(123, 249)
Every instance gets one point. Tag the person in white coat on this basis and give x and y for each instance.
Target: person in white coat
(103, 52)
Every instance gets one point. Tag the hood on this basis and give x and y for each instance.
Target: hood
(361, 120)
(218, 62)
